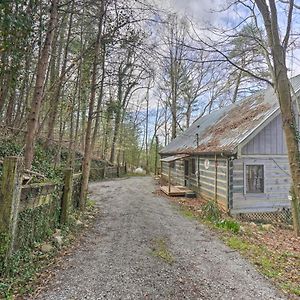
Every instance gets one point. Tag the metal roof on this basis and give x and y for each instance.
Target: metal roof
(223, 130)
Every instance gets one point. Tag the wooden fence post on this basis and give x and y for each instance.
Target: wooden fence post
(10, 200)
(67, 196)
(104, 172)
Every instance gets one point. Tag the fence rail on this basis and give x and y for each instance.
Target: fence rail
(107, 172)
(29, 212)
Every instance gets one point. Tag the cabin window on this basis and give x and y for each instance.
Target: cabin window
(193, 166)
(254, 178)
(172, 164)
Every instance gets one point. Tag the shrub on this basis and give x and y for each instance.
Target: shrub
(211, 211)
(232, 225)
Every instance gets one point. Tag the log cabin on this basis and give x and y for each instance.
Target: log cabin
(236, 155)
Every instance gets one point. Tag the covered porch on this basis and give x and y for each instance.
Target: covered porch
(169, 189)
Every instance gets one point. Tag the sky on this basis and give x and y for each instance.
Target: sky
(199, 10)
(203, 12)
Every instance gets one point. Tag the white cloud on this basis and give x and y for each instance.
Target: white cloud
(198, 10)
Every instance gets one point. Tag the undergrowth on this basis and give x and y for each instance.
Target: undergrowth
(19, 273)
(211, 211)
(36, 226)
(43, 159)
(19, 270)
(227, 224)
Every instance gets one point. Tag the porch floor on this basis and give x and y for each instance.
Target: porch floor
(175, 190)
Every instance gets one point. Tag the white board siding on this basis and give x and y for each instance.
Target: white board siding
(270, 140)
(276, 185)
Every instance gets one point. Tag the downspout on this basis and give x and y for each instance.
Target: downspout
(198, 164)
(161, 173)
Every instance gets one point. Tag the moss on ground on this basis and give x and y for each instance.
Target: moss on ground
(160, 250)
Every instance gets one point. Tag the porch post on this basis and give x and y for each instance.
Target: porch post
(169, 178)
(161, 173)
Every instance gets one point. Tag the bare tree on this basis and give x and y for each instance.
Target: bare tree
(274, 52)
(88, 135)
(278, 48)
(42, 66)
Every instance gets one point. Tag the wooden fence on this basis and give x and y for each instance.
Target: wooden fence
(107, 172)
(29, 213)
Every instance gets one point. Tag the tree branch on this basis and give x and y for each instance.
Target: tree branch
(288, 26)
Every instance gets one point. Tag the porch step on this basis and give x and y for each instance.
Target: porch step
(190, 194)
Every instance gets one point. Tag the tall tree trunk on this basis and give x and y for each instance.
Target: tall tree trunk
(42, 66)
(156, 155)
(62, 127)
(83, 123)
(10, 107)
(238, 82)
(147, 129)
(237, 86)
(173, 102)
(74, 124)
(88, 144)
(3, 73)
(107, 129)
(283, 91)
(188, 115)
(55, 100)
(100, 98)
(115, 135)
(117, 114)
(282, 87)
(166, 125)
(79, 99)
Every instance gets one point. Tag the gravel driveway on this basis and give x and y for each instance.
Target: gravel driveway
(142, 248)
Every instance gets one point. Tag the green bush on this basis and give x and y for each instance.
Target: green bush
(231, 225)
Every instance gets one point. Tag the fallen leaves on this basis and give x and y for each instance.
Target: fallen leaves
(275, 251)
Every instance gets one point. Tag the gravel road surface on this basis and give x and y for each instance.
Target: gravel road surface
(141, 247)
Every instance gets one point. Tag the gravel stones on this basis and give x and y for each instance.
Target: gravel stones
(116, 261)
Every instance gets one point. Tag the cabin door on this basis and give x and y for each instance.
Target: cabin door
(186, 173)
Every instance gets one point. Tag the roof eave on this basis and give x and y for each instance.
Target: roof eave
(204, 153)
